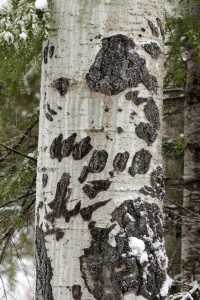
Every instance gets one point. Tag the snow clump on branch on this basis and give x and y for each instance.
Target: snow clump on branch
(5, 5)
(41, 4)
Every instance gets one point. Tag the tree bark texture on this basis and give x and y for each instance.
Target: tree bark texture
(99, 231)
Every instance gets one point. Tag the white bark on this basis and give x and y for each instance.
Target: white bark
(80, 27)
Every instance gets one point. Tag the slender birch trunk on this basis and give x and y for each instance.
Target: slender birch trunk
(99, 231)
(191, 203)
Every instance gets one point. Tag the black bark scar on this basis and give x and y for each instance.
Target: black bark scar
(45, 54)
(118, 66)
(96, 186)
(111, 272)
(153, 49)
(59, 204)
(44, 271)
(49, 117)
(147, 132)
(44, 180)
(67, 145)
(61, 85)
(51, 51)
(133, 96)
(86, 212)
(96, 164)
(151, 112)
(55, 148)
(140, 163)
(153, 28)
(51, 111)
(120, 161)
(57, 231)
(82, 148)
(62, 148)
(76, 292)
(157, 188)
(162, 31)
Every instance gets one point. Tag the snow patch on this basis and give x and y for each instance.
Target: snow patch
(137, 249)
(23, 36)
(5, 5)
(166, 285)
(132, 296)
(7, 36)
(41, 4)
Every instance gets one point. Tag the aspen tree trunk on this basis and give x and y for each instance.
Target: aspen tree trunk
(99, 231)
(191, 200)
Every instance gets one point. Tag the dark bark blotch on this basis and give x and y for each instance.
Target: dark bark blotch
(120, 161)
(44, 271)
(140, 163)
(61, 85)
(118, 66)
(82, 148)
(94, 187)
(147, 132)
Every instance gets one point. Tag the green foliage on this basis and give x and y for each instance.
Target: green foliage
(23, 29)
(184, 41)
(175, 147)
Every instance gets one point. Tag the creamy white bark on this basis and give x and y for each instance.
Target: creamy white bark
(80, 27)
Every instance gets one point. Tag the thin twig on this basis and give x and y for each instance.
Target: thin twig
(20, 140)
(19, 153)
(17, 199)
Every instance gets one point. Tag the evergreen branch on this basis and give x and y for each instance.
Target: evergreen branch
(19, 153)
(17, 199)
(21, 140)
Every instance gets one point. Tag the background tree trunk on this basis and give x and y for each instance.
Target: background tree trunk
(99, 231)
(191, 203)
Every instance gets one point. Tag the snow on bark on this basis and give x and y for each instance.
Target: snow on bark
(91, 164)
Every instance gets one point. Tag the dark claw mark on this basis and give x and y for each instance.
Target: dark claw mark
(51, 111)
(45, 54)
(44, 180)
(153, 28)
(49, 117)
(51, 51)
